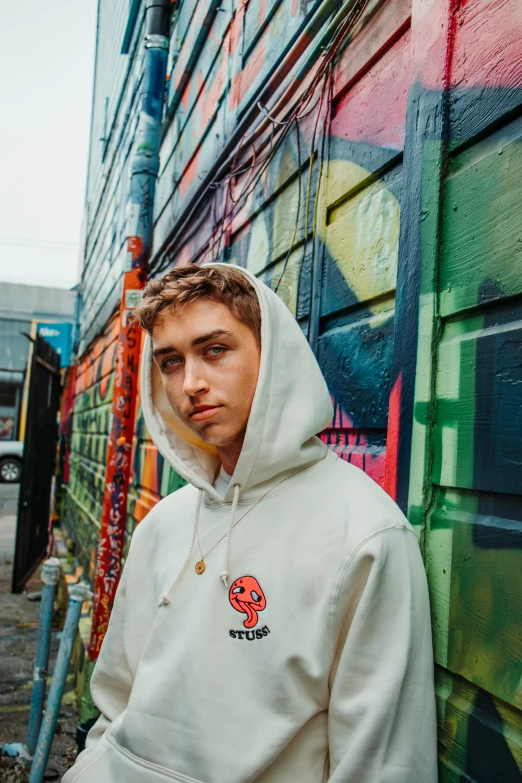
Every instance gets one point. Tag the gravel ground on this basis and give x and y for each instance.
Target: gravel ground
(18, 634)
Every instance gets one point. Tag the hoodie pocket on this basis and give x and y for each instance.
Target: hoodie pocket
(86, 760)
(116, 763)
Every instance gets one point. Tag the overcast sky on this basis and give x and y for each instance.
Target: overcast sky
(46, 75)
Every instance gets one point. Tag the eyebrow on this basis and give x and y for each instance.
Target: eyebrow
(197, 341)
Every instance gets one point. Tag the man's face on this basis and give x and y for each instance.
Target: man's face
(209, 364)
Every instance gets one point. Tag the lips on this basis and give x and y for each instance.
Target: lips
(203, 412)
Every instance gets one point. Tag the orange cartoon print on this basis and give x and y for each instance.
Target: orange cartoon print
(247, 597)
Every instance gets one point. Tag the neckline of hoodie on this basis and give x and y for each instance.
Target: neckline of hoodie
(286, 487)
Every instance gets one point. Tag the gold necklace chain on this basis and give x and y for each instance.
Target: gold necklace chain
(201, 565)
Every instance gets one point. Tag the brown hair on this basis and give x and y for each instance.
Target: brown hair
(187, 284)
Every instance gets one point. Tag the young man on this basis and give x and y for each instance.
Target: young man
(272, 621)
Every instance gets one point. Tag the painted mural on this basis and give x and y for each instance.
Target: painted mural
(86, 406)
(370, 173)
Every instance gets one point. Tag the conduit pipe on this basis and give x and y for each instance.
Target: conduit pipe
(50, 576)
(78, 593)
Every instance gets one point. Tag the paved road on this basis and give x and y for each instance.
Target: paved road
(9, 498)
(18, 634)
(7, 535)
(8, 506)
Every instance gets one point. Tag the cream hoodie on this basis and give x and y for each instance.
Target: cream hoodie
(314, 662)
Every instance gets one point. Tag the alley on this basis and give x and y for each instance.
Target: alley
(19, 627)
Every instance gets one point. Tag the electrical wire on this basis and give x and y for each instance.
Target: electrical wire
(281, 127)
(44, 244)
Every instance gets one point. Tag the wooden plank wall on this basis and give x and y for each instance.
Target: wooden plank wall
(277, 227)
(474, 543)
(458, 347)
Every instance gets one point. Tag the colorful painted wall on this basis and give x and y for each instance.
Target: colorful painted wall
(86, 411)
(365, 161)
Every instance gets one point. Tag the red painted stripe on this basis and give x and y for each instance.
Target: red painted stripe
(392, 441)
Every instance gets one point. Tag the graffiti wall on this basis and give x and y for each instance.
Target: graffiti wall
(88, 434)
(312, 207)
(86, 411)
(364, 160)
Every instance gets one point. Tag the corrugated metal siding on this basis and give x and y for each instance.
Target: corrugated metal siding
(112, 135)
(110, 77)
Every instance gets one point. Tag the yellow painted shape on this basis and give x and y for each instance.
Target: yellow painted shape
(286, 215)
(362, 234)
(342, 177)
(259, 246)
(25, 396)
(288, 287)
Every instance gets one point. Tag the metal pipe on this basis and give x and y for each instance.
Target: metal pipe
(78, 593)
(144, 172)
(50, 576)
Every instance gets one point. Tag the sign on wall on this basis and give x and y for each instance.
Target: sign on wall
(59, 335)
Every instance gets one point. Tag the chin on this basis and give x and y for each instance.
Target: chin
(218, 438)
(215, 440)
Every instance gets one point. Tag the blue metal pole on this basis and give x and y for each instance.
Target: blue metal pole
(50, 576)
(78, 593)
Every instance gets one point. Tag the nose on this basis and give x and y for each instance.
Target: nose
(193, 380)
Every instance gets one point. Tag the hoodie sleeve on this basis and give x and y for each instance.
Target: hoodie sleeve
(382, 725)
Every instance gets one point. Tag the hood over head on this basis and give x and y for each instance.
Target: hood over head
(291, 404)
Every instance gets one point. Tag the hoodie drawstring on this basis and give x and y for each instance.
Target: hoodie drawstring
(224, 573)
(166, 598)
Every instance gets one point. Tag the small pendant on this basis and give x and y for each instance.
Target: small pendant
(200, 566)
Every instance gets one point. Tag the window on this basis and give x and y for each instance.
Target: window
(7, 396)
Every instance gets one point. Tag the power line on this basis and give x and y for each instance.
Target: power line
(44, 244)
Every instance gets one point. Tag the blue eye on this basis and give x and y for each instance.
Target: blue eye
(171, 361)
(216, 350)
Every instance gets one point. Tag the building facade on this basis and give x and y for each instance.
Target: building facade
(364, 159)
(27, 310)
